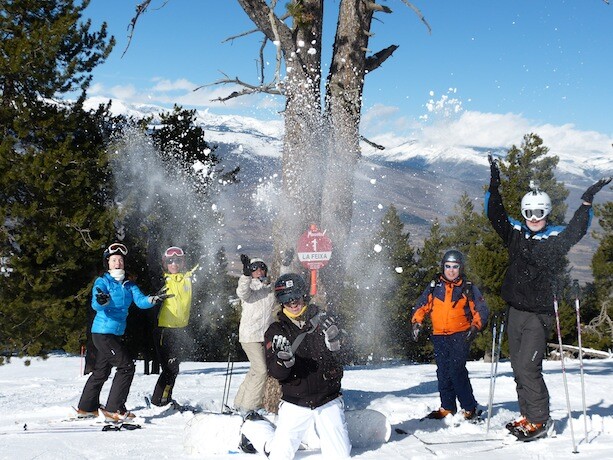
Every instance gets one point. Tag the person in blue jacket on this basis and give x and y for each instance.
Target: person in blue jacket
(112, 296)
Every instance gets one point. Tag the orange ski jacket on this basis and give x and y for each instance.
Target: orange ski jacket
(453, 306)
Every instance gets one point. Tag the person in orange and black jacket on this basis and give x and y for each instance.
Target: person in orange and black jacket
(458, 312)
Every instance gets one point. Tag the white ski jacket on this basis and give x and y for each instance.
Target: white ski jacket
(258, 301)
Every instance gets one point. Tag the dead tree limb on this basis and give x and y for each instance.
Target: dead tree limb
(141, 8)
(419, 14)
(375, 61)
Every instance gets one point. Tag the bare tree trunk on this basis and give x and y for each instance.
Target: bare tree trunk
(343, 106)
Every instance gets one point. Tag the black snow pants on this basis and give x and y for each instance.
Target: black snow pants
(170, 344)
(528, 333)
(110, 352)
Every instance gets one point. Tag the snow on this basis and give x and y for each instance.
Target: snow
(40, 395)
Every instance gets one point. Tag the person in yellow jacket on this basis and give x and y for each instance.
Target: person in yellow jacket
(171, 332)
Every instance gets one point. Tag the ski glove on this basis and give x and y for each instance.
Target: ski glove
(331, 333)
(101, 297)
(160, 296)
(494, 173)
(416, 331)
(588, 195)
(288, 256)
(246, 262)
(283, 348)
(471, 334)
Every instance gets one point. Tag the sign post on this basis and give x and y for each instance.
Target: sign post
(314, 252)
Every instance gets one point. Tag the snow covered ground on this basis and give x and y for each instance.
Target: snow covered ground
(40, 395)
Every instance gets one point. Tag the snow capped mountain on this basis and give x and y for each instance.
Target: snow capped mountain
(423, 177)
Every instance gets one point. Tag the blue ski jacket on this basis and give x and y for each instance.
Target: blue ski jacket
(111, 317)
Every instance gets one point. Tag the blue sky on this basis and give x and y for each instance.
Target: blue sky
(489, 69)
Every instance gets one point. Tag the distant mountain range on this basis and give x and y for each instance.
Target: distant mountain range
(423, 183)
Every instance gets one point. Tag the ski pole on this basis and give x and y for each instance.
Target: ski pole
(497, 360)
(491, 398)
(570, 415)
(576, 289)
(228, 381)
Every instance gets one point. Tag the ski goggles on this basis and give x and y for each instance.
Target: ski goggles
(174, 251)
(117, 248)
(258, 266)
(452, 266)
(533, 214)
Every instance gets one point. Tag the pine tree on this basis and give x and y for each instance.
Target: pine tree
(597, 305)
(382, 294)
(53, 174)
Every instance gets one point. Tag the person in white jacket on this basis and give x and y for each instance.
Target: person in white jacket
(258, 300)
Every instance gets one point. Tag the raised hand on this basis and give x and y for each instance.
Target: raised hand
(588, 195)
(245, 260)
(283, 348)
(288, 256)
(331, 333)
(494, 173)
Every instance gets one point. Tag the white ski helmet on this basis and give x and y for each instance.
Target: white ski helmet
(535, 205)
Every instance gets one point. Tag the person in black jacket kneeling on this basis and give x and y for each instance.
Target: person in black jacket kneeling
(303, 352)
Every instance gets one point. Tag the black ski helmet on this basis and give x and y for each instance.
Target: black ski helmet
(453, 256)
(290, 286)
(115, 248)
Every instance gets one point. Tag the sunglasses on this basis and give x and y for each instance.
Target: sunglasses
(536, 214)
(294, 302)
(452, 266)
(174, 260)
(117, 248)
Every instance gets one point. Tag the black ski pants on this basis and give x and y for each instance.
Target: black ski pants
(528, 333)
(170, 344)
(110, 353)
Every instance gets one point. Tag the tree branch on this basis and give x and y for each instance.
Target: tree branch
(375, 61)
(371, 143)
(419, 14)
(270, 88)
(141, 8)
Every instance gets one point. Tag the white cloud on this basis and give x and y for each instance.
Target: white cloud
(163, 85)
(404, 138)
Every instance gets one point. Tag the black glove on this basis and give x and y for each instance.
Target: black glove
(283, 348)
(331, 333)
(246, 262)
(416, 331)
(494, 173)
(160, 296)
(588, 195)
(288, 256)
(101, 297)
(471, 334)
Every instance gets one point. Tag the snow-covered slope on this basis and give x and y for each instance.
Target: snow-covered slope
(38, 396)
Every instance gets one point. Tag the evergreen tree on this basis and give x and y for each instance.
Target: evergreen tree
(169, 177)
(597, 304)
(54, 194)
(384, 289)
